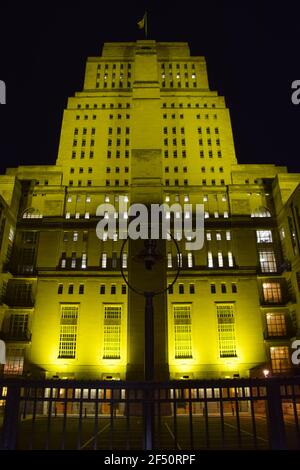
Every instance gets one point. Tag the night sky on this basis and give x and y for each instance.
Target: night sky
(252, 51)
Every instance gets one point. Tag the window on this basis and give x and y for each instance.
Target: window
(112, 332)
(233, 288)
(264, 236)
(18, 327)
(60, 289)
(220, 259)
(181, 288)
(210, 261)
(218, 236)
(169, 260)
(75, 237)
(68, 331)
(276, 324)
(267, 261)
(104, 260)
(179, 260)
(226, 330)
(213, 288)
(182, 331)
(272, 292)
(73, 260)
(230, 259)
(14, 361)
(102, 289)
(124, 260)
(170, 289)
(113, 289)
(84, 261)
(22, 294)
(280, 358)
(228, 235)
(81, 289)
(123, 289)
(190, 260)
(192, 288)
(71, 289)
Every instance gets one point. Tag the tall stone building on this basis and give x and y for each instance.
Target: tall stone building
(147, 127)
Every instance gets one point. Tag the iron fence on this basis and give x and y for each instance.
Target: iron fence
(181, 415)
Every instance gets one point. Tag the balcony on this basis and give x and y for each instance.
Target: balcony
(22, 336)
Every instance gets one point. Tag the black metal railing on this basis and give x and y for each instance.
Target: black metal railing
(214, 414)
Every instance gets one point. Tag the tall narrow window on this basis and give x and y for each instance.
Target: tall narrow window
(179, 260)
(104, 260)
(73, 260)
(124, 260)
(68, 331)
(83, 260)
(18, 327)
(112, 332)
(182, 331)
(220, 259)
(230, 259)
(14, 361)
(210, 261)
(169, 260)
(226, 330)
(190, 260)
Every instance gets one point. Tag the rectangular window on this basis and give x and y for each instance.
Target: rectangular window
(192, 288)
(14, 361)
(223, 288)
(104, 260)
(68, 331)
(112, 332)
(18, 327)
(213, 288)
(210, 261)
(124, 289)
(230, 259)
(276, 324)
(264, 236)
(113, 289)
(272, 292)
(182, 331)
(267, 261)
(179, 260)
(60, 289)
(280, 358)
(169, 260)
(124, 260)
(190, 260)
(226, 330)
(234, 288)
(102, 289)
(228, 235)
(81, 289)
(220, 259)
(181, 288)
(84, 261)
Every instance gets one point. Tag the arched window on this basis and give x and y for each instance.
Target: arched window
(261, 212)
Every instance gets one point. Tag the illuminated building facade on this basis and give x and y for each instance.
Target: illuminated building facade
(146, 126)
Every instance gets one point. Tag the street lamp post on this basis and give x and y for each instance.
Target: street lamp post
(149, 257)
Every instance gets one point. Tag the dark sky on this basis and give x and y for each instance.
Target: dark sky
(252, 51)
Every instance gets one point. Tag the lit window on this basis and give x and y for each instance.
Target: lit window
(228, 235)
(179, 260)
(218, 236)
(182, 331)
(276, 324)
(112, 332)
(230, 259)
(216, 214)
(75, 236)
(280, 358)
(83, 260)
(267, 261)
(88, 199)
(77, 215)
(68, 215)
(210, 261)
(220, 259)
(272, 292)
(226, 330)
(169, 260)
(205, 198)
(208, 236)
(68, 331)
(264, 236)
(104, 260)
(206, 215)
(69, 199)
(124, 260)
(190, 260)
(225, 215)
(14, 361)
(87, 215)
(106, 199)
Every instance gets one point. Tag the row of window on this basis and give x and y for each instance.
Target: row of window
(189, 105)
(213, 289)
(175, 142)
(113, 84)
(175, 130)
(117, 142)
(102, 289)
(181, 116)
(84, 130)
(111, 116)
(111, 105)
(83, 142)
